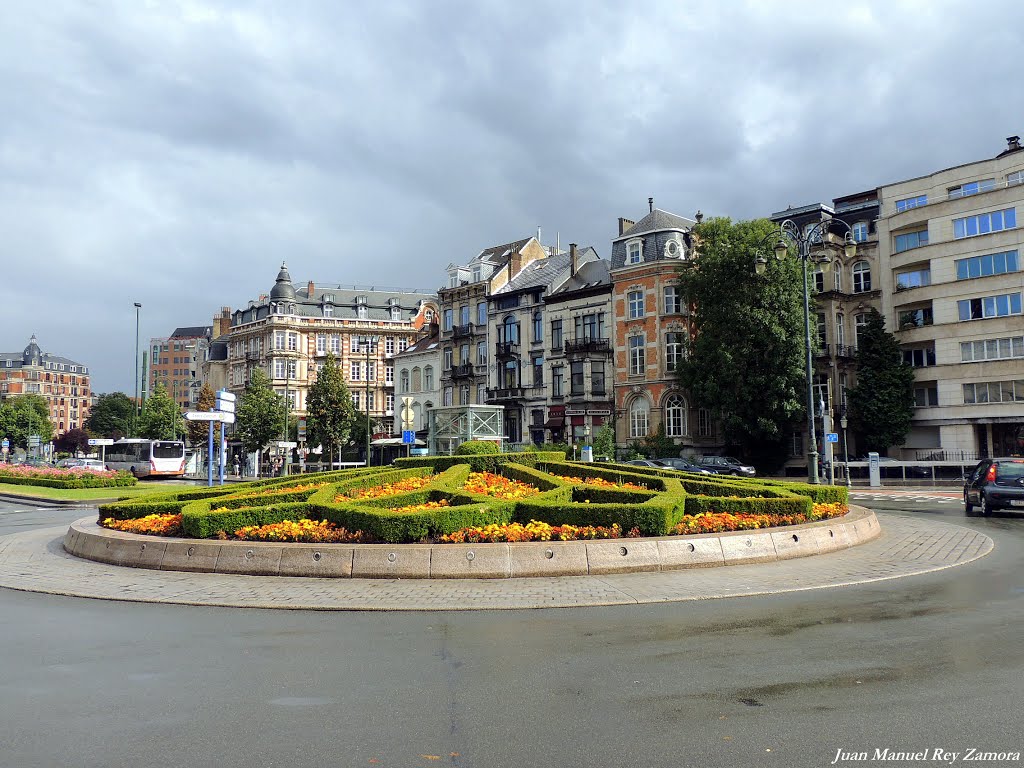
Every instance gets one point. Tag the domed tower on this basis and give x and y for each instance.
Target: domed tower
(283, 288)
(33, 355)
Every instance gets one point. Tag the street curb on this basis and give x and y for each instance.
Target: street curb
(87, 540)
(65, 503)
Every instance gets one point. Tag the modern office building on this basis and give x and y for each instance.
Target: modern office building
(62, 382)
(173, 363)
(950, 244)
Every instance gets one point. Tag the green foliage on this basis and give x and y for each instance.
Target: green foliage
(659, 444)
(199, 431)
(161, 417)
(476, 448)
(604, 442)
(79, 480)
(24, 415)
(329, 413)
(260, 415)
(882, 403)
(747, 356)
(111, 416)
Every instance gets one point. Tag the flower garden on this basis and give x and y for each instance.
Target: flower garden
(515, 497)
(56, 477)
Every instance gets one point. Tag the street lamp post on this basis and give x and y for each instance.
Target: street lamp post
(846, 448)
(803, 240)
(369, 342)
(135, 411)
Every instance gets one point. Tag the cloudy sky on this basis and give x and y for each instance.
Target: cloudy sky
(174, 153)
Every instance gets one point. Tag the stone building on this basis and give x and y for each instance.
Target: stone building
(62, 382)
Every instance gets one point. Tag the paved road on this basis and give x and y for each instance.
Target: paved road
(930, 661)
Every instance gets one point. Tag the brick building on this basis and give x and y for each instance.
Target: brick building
(63, 382)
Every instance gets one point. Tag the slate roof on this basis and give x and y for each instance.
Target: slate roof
(656, 221)
(538, 274)
(218, 350)
(592, 274)
(32, 351)
(192, 332)
(501, 253)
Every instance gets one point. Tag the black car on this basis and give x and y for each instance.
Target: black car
(682, 465)
(995, 484)
(727, 465)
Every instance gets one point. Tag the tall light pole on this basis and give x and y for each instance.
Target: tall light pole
(368, 342)
(135, 412)
(818, 236)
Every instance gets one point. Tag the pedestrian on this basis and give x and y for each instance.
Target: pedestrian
(237, 467)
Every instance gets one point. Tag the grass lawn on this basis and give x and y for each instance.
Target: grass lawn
(86, 494)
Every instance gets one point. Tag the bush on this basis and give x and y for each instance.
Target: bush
(476, 448)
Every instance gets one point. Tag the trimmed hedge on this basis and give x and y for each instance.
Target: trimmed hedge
(476, 448)
(123, 480)
(486, 463)
(139, 508)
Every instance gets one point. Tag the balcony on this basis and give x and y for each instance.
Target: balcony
(463, 371)
(513, 393)
(506, 348)
(588, 345)
(846, 351)
(825, 350)
(460, 331)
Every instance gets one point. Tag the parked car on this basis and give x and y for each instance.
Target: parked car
(995, 484)
(94, 465)
(652, 463)
(727, 465)
(682, 465)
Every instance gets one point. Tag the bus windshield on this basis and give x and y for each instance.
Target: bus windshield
(168, 450)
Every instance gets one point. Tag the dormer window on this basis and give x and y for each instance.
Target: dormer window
(673, 250)
(361, 311)
(634, 252)
(328, 310)
(279, 309)
(396, 310)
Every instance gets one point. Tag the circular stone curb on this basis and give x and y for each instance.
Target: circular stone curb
(88, 540)
(35, 561)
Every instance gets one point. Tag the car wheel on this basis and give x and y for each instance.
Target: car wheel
(984, 507)
(968, 507)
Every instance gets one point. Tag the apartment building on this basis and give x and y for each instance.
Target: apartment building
(173, 363)
(652, 330)
(516, 313)
(465, 333)
(580, 359)
(289, 332)
(845, 289)
(417, 373)
(952, 288)
(62, 382)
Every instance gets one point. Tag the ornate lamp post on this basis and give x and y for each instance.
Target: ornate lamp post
(369, 343)
(817, 235)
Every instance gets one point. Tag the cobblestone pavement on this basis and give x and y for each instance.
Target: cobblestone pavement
(36, 562)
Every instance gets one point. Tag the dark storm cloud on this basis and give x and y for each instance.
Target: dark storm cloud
(176, 153)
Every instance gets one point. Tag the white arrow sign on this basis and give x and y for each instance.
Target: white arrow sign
(100, 441)
(227, 418)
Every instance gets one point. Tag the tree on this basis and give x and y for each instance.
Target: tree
(73, 441)
(260, 415)
(25, 415)
(329, 413)
(199, 431)
(161, 418)
(659, 444)
(604, 442)
(746, 357)
(882, 404)
(111, 416)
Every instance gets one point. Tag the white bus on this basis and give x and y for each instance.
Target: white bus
(148, 458)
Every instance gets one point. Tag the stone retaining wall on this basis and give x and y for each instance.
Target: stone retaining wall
(86, 539)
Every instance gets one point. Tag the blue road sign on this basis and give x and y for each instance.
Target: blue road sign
(408, 437)
(831, 437)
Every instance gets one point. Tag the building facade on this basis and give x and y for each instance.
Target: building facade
(290, 332)
(418, 377)
(580, 357)
(652, 331)
(952, 285)
(62, 382)
(173, 363)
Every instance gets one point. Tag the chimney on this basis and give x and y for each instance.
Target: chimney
(650, 204)
(1012, 143)
(572, 259)
(699, 216)
(625, 225)
(309, 290)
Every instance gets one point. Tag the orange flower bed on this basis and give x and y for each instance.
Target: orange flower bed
(497, 486)
(388, 489)
(719, 522)
(422, 507)
(600, 482)
(532, 531)
(151, 525)
(310, 531)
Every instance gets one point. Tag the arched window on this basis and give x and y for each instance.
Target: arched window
(861, 277)
(639, 416)
(538, 327)
(403, 380)
(675, 416)
(428, 378)
(417, 417)
(510, 329)
(416, 379)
